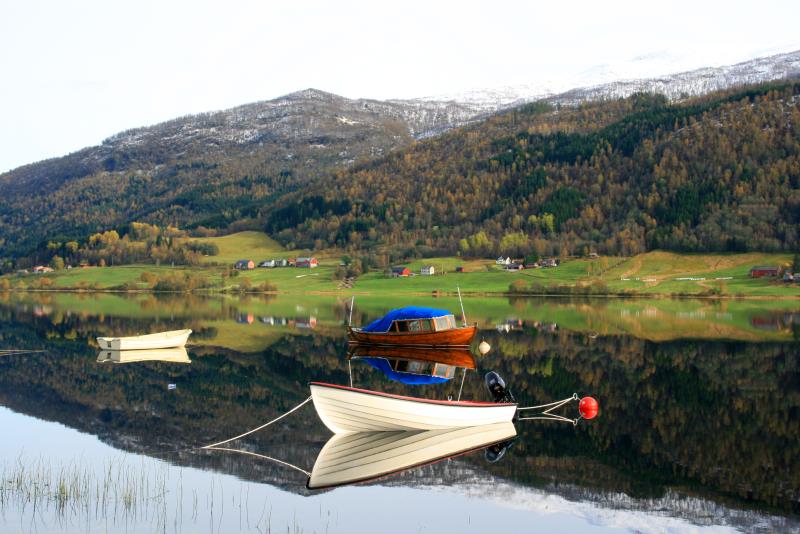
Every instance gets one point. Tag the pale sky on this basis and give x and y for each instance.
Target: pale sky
(77, 71)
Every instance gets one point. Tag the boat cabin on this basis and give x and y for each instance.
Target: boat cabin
(434, 324)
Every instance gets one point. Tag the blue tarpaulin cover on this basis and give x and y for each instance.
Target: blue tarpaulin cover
(406, 378)
(409, 312)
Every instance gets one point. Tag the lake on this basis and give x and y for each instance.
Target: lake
(698, 426)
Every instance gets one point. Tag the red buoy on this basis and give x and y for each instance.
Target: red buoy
(588, 408)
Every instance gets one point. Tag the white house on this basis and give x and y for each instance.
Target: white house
(503, 261)
(428, 270)
(267, 263)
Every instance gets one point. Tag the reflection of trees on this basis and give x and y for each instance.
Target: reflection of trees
(716, 414)
(715, 417)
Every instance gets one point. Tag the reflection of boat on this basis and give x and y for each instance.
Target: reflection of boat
(414, 365)
(416, 326)
(174, 355)
(161, 340)
(344, 409)
(362, 456)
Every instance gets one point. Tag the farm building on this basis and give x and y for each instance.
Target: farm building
(503, 261)
(308, 262)
(267, 263)
(245, 265)
(764, 270)
(428, 270)
(401, 271)
(513, 267)
(41, 269)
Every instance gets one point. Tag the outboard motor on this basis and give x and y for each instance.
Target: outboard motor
(494, 453)
(497, 388)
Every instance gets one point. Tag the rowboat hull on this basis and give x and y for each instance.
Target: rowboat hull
(343, 410)
(363, 456)
(161, 340)
(454, 337)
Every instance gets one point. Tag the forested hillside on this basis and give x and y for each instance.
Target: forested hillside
(718, 173)
(216, 170)
(715, 173)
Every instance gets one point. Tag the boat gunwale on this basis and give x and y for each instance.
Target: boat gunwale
(466, 404)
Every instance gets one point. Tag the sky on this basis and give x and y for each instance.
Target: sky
(76, 72)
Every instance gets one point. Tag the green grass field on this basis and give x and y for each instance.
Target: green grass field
(655, 273)
(256, 246)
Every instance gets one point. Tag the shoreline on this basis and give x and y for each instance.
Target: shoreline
(434, 294)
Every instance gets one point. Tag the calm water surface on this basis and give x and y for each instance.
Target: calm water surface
(698, 426)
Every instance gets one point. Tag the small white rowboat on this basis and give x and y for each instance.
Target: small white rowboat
(161, 340)
(363, 456)
(344, 409)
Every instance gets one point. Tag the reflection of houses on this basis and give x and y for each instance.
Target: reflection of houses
(244, 265)
(310, 322)
(245, 318)
(545, 327)
(400, 271)
(764, 270)
(766, 322)
(428, 270)
(307, 262)
(300, 322)
(509, 324)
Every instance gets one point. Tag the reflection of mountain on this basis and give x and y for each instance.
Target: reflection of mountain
(660, 401)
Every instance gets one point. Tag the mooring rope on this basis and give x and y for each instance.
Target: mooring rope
(262, 456)
(547, 415)
(265, 425)
(214, 446)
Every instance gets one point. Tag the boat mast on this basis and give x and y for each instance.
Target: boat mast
(463, 315)
(350, 319)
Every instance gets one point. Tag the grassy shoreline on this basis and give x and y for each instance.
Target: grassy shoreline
(653, 274)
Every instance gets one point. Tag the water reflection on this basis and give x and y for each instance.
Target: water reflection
(663, 397)
(363, 456)
(173, 355)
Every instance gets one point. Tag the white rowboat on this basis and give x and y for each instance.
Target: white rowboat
(161, 340)
(344, 409)
(362, 456)
(172, 355)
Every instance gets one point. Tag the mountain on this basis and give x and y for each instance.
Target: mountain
(192, 170)
(715, 173)
(636, 76)
(227, 169)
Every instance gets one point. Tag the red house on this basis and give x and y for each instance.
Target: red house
(762, 270)
(400, 271)
(308, 263)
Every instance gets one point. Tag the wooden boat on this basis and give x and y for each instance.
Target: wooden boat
(161, 340)
(414, 326)
(172, 355)
(363, 456)
(344, 409)
(455, 356)
(414, 365)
